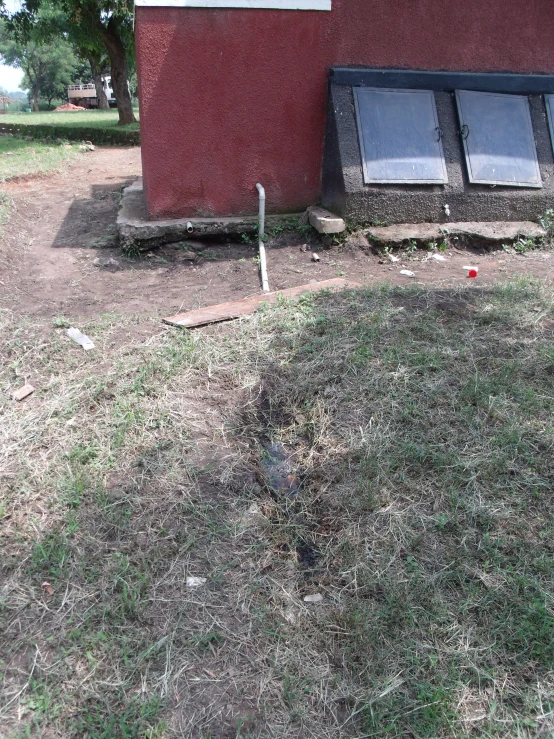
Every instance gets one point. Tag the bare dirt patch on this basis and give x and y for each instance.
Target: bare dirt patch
(61, 224)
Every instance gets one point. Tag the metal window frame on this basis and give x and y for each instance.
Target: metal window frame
(501, 183)
(549, 104)
(371, 181)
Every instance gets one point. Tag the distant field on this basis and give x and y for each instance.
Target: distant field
(84, 118)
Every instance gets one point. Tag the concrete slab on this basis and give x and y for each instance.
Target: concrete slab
(137, 231)
(495, 231)
(324, 221)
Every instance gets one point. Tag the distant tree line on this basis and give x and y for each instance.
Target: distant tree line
(61, 42)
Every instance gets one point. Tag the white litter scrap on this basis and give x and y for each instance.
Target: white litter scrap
(23, 392)
(80, 338)
(315, 598)
(438, 257)
(195, 582)
(407, 273)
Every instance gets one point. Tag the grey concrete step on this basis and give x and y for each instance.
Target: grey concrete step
(498, 231)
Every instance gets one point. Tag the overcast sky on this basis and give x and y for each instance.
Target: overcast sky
(10, 78)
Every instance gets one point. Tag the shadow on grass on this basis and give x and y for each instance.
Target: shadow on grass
(418, 428)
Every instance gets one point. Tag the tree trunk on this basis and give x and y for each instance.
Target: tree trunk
(34, 95)
(100, 92)
(118, 63)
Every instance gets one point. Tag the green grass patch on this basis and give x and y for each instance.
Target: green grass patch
(97, 126)
(21, 158)
(104, 119)
(417, 426)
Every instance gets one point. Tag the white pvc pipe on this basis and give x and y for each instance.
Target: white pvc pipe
(261, 247)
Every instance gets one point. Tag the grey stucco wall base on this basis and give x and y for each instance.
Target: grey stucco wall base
(344, 192)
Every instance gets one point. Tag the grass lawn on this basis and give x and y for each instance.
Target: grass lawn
(21, 158)
(390, 450)
(85, 118)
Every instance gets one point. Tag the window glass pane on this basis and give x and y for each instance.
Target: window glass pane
(400, 138)
(498, 139)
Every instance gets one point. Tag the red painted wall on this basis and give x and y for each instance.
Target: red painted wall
(229, 98)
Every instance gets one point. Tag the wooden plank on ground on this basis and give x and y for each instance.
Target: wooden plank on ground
(227, 311)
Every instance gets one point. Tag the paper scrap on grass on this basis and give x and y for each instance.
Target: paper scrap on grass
(80, 338)
(195, 582)
(315, 598)
(438, 257)
(23, 392)
(407, 273)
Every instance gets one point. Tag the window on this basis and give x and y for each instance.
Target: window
(400, 137)
(498, 139)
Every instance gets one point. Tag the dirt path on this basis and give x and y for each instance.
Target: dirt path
(62, 223)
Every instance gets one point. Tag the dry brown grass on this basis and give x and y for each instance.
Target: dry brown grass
(419, 425)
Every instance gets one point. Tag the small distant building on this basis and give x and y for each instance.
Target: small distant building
(391, 110)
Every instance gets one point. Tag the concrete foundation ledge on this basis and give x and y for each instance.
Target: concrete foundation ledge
(493, 231)
(137, 232)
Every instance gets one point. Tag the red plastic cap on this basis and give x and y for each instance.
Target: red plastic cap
(472, 273)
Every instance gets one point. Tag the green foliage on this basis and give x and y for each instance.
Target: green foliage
(50, 557)
(133, 720)
(547, 220)
(48, 67)
(94, 29)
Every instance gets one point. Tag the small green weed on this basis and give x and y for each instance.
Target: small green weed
(522, 246)
(131, 720)
(51, 556)
(130, 250)
(547, 221)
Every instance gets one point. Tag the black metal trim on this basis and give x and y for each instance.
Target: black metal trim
(520, 84)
